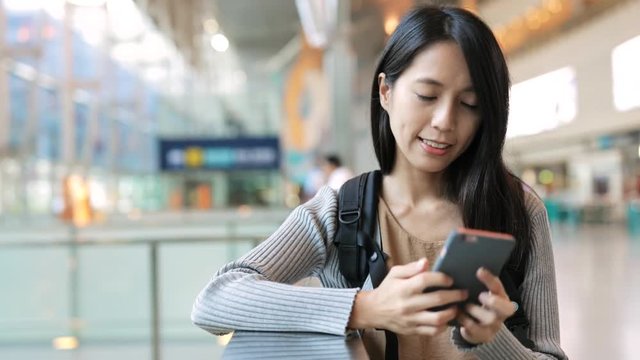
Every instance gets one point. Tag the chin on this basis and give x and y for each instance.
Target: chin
(433, 170)
(431, 167)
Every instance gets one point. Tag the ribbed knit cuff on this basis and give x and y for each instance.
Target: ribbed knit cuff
(256, 305)
(503, 346)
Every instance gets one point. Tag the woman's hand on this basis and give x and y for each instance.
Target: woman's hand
(496, 308)
(399, 304)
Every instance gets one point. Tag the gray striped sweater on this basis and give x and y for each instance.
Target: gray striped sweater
(255, 292)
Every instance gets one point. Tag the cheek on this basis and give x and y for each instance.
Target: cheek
(469, 132)
(401, 125)
(406, 116)
(395, 128)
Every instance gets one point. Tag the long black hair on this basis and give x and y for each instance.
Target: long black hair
(489, 196)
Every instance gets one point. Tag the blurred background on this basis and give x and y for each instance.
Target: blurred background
(145, 143)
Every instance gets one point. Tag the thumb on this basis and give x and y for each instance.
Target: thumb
(408, 270)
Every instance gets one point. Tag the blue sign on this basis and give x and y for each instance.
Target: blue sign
(220, 154)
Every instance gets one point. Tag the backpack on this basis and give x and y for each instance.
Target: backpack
(360, 255)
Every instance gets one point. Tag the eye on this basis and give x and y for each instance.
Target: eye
(469, 105)
(426, 98)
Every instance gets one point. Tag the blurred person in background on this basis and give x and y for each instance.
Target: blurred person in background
(314, 180)
(439, 109)
(328, 171)
(335, 173)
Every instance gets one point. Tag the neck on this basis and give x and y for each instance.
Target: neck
(412, 188)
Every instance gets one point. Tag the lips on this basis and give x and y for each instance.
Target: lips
(436, 144)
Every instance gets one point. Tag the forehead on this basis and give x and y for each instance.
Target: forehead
(442, 61)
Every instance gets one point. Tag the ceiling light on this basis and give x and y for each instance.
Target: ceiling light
(65, 343)
(390, 24)
(211, 26)
(219, 42)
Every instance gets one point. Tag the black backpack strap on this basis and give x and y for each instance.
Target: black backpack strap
(517, 323)
(350, 255)
(357, 219)
(358, 252)
(391, 345)
(376, 259)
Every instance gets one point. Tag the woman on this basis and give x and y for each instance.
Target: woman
(439, 113)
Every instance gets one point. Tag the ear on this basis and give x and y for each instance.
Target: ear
(384, 91)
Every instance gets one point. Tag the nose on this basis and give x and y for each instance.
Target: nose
(444, 117)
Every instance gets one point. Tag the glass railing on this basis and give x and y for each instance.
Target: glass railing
(114, 292)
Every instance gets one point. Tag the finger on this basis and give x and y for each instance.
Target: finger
(484, 316)
(441, 297)
(504, 307)
(473, 332)
(491, 281)
(409, 270)
(429, 279)
(468, 324)
(469, 337)
(434, 318)
(429, 330)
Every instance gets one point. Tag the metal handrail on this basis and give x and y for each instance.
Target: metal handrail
(74, 241)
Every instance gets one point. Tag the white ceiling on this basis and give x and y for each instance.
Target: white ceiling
(257, 29)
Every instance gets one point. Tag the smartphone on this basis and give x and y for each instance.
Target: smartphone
(464, 252)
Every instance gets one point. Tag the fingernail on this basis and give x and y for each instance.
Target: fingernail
(421, 263)
(483, 296)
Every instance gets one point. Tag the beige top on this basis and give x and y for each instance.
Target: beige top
(404, 248)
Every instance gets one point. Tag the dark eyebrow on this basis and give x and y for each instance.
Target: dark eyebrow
(430, 81)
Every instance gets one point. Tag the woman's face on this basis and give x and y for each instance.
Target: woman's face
(433, 109)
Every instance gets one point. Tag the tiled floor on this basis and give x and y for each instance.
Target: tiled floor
(598, 272)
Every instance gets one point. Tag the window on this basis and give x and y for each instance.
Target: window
(626, 75)
(543, 103)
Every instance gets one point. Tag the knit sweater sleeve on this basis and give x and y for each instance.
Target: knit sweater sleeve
(539, 299)
(256, 293)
